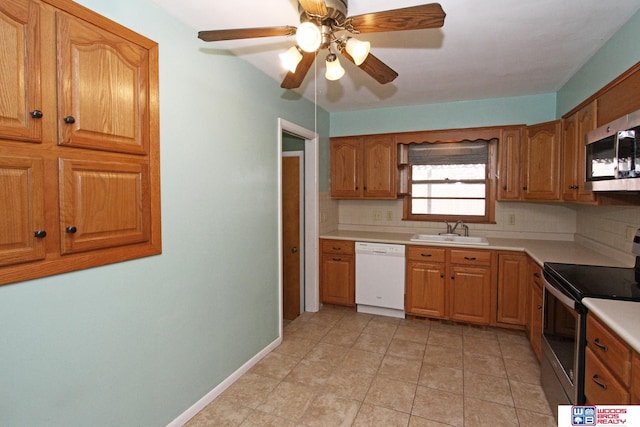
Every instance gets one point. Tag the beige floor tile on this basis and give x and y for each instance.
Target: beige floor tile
(386, 330)
(406, 349)
(330, 410)
(310, 373)
(484, 364)
(221, 412)
(411, 333)
(341, 337)
(438, 405)
(295, 347)
(482, 345)
(354, 321)
(443, 356)
(441, 378)
(516, 351)
(251, 389)
(423, 422)
(361, 361)
(288, 400)
(530, 397)
(480, 413)
(372, 343)
(534, 419)
(525, 372)
(262, 419)
(377, 416)
(275, 365)
(443, 338)
(485, 333)
(400, 368)
(391, 394)
(326, 317)
(451, 329)
(513, 336)
(488, 388)
(349, 384)
(311, 331)
(328, 353)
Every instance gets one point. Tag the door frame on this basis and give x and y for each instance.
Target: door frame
(311, 215)
(300, 155)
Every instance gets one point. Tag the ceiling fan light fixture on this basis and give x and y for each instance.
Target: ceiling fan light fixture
(309, 37)
(358, 50)
(291, 58)
(334, 69)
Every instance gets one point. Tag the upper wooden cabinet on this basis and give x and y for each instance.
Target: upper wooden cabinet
(363, 167)
(541, 162)
(20, 71)
(575, 129)
(103, 83)
(79, 141)
(509, 152)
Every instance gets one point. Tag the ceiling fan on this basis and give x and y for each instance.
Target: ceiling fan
(324, 24)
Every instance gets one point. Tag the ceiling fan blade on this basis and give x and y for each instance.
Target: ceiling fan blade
(375, 68)
(409, 18)
(245, 33)
(314, 7)
(294, 80)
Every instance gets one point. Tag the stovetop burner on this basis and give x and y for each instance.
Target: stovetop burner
(583, 281)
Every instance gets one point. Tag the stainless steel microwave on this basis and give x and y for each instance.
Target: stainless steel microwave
(612, 155)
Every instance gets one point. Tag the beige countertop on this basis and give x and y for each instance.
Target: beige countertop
(623, 317)
(540, 250)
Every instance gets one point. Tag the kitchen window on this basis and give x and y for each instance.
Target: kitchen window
(451, 180)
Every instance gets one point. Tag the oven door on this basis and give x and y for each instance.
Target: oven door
(563, 344)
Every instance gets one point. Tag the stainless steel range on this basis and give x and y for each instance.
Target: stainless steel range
(564, 320)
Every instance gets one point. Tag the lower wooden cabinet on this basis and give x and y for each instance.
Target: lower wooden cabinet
(337, 272)
(607, 366)
(513, 269)
(449, 284)
(534, 313)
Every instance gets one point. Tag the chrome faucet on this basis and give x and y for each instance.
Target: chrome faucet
(452, 229)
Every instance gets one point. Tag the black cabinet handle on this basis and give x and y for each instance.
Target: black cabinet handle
(539, 307)
(337, 259)
(524, 188)
(595, 380)
(504, 188)
(425, 255)
(39, 234)
(36, 114)
(71, 229)
(536, 275)
(602, 347)
(470, 258)
(69, 120)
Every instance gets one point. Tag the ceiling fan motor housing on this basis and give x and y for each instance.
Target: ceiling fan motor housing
(336, 9)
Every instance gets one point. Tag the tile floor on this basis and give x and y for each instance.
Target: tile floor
(342, 368)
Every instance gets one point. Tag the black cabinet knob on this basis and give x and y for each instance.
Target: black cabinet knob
(36, 114)
(69, 120)
(39, 234)
(71, 229)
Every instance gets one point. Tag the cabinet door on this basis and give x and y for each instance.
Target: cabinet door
(569, 173)
(103, 89)
(470, 294)
(509, 148)
(346, 165)
(426, 289)
(103, 204)
(512, 288)
(535, 313)
(338, 279)
(21, 210)
(586, 122)
(600, 385)
(379, 167)
(541, 162)
(20, 93)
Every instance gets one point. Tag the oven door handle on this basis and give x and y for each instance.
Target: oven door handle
(566, 300)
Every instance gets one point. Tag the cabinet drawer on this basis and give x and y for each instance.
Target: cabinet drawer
(425, 253)
(610, 349)
(470, 257)
(345, 247)
(600, 385)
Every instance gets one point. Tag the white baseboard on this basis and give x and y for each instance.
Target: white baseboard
(208, 398)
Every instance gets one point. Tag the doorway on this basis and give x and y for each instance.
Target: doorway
(292, 232)
(309, 228)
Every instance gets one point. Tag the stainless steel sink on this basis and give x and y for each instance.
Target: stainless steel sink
(449, 239)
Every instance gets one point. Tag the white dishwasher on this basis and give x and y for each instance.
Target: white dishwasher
(380, 279)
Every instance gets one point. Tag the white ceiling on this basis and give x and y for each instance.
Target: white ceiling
(486, 49)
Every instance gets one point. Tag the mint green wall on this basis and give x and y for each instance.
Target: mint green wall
(139, 342)
(485, 112)
(619, 54)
